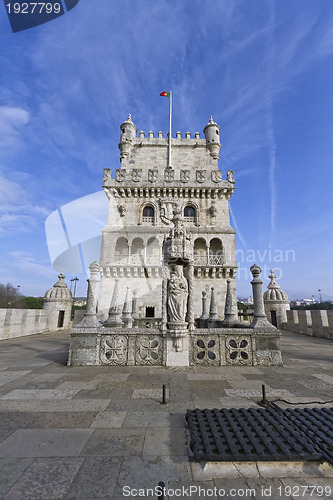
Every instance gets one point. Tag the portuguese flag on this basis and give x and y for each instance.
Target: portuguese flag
(165, 94)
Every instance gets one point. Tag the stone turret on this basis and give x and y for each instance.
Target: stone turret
(127, 136)
(58, 303)
(212, 135)
(276, 303)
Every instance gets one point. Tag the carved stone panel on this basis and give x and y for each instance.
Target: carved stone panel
(206, 350)
(148, 350)
(238, 350)
(120, 174)
(216, 175)
(136, 174)
(166, 211)
(113, 349)
(201, 175)
(184, 175)
(152, 175)
(169, 175)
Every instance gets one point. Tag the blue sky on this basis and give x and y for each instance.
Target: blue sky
(262, 68)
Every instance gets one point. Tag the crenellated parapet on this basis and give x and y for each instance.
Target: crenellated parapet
(185, 149)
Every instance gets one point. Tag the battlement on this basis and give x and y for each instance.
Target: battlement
(130, 142)
(187, 136)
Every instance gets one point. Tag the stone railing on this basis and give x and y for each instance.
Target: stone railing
(21, 322)
(315, 322)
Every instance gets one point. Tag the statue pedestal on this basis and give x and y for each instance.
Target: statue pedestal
(177, 356)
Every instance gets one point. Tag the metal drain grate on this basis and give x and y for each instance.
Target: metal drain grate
(317, 424)
(253, 435)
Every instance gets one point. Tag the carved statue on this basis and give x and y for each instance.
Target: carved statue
(177, 295)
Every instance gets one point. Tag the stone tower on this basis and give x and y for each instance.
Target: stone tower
(143, 198)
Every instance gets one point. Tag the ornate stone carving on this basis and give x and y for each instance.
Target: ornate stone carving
(169, 175)
(206, 350)
(230, 176)
(238, 350)
(113, 349)
(184, 175)
(201, 175)
(122, 210)
(166, 211)
(152, 175)
(177, 295)
(148, 350)
(216, 175)
(136, 174)
(120, 174)
(107, 175)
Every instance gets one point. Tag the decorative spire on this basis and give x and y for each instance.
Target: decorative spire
(61, 282)
(114, 319)
(229, 316)
(273, 284)
(213, 306)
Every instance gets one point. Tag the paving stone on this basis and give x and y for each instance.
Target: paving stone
(8, 376)
(194, 490)
(308, 489)
(234, 488)
(109, 420)
(73, 405)
(11, 470)
(16, 420)
(153, 419)
(267, 488)
(161, 441)
(97, 478)
(146, 472)
(45, 443)
(205, 471)
(63, 420)
(119, 443)
(46, 478)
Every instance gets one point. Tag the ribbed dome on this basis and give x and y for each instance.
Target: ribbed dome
(274, 293)
(59, 292)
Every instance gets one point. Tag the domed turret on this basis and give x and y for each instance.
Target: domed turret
(127, 136)
(276, 302)
(58, 304)
(58, 292)
(212, 135)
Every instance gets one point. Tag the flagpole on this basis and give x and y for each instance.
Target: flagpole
(170, 113)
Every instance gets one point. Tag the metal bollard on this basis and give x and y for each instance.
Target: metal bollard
(162, 486)
(164, 395)
(264, 400)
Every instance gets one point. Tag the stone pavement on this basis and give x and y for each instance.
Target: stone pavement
(101, 432)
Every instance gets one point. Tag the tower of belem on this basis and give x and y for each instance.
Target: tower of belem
(149, 188)
(167, 270)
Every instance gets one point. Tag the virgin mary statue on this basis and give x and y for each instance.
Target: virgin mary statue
(177, 295)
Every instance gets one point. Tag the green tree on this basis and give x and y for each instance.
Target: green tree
(32, 302)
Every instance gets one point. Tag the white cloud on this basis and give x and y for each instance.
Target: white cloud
(12, 120)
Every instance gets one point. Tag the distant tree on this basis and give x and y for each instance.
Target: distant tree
(10, 296)
(32, 302)
(317, 305)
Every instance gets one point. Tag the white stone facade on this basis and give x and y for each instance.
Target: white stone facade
(142, 197)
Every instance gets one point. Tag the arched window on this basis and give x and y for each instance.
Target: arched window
(216, 252)
(189, 212)
(148, 214)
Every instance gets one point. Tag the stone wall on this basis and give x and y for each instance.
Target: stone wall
(317, 323)
(21, 322)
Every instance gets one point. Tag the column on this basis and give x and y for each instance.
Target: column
(191, 297)
(260, 318)
(90, 318)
